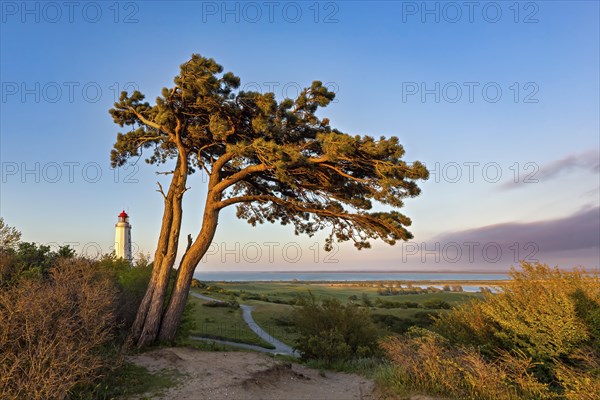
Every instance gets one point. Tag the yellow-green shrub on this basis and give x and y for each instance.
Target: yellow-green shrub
(427, 362)
(530, 337)
(536, 312)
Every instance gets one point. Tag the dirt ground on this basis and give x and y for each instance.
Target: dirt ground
(249, 376)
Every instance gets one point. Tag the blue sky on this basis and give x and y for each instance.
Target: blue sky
(486, 96)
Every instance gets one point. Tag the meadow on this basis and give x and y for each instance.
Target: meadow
(274, 303)
(223, 323)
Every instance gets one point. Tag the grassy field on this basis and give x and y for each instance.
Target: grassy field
(223, 323)
(274, 317)
(286, 291)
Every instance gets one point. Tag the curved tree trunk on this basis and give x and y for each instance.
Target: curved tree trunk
(161, 249)
(190, 260)
(145, 328)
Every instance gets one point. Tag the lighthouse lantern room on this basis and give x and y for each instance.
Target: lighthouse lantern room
(123, 237)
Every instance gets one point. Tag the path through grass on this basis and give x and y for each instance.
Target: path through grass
(223, 323)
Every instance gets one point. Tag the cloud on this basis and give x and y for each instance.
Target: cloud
(568, 241)
(587, 161)
(592, 193)
(576, 232)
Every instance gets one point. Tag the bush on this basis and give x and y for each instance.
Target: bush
(366, 301)
(28, 260)
(434, 304)
(426, 361)
(54, 331)
(425, 317)
(131, 282)
(400, 325)
(395, 304)
(188, 323)
(540, 335)
(537, 313)
(228, 304)
(198, 284)
(330, 331)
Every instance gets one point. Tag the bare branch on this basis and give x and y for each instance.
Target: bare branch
(160, 190)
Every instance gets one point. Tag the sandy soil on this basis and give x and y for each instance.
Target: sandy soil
(249, 376)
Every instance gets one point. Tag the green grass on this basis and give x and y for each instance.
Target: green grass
(223, 323)
(269, 317)
(450, 297)
(272, 316)
(287, 291)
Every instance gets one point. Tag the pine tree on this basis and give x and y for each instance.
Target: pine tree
(275, 161)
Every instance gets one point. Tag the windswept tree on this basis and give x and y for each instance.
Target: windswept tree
(275, 161)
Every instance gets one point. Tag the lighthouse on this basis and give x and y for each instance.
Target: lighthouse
(123, 237)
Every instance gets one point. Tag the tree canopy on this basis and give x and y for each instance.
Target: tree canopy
(278, 161)
(275, 160)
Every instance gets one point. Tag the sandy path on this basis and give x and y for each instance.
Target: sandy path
(249, 376)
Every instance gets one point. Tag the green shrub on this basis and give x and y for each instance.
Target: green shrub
(425, 318)
(366, 300)
(188, 323)
(540, 335)
(427, 362)
(540, 312)
(29, 261)
(402, 325)
(435, 304)
(131, 281)
(392, 323)
(395, 304)
(198, 284)
(225, 304)
(330, 331)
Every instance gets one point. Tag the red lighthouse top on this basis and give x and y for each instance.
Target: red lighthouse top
(123, 214)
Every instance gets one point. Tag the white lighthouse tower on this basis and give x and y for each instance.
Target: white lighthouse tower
(123, 237)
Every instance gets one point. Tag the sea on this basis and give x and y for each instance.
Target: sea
(292, 276)
(328, 276)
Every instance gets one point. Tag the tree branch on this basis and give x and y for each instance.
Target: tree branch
(244, 199)
(238, 176)
(160, 190)
(150, 123)
(364, 220)
(339, 171)
(221, 161)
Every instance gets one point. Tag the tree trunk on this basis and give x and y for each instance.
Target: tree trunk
(145, 328)
(157, 268)
(155, 311)
(174, 311)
